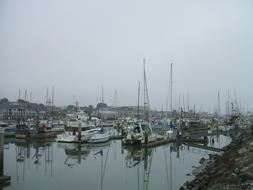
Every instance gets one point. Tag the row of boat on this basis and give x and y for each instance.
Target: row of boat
(73, 131)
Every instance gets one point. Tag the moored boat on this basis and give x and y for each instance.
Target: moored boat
(38, 131)
(137, 135)
(100, 136)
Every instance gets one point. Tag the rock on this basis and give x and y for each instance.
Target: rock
(230, 170)
(202, 160)
(233, 174)
(237, 170)
(242, 150)
(246, 177)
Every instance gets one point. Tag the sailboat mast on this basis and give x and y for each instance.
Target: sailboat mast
(138, 108)
(102, 94)
(188, 104)
(52, 97)
(171, 88)
(144, 90)
(47, 102)
(19, 94)
(30, 96)
(218, 105)
(146, 97)
(25, 105)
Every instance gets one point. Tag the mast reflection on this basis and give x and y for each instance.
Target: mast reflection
(33, 154)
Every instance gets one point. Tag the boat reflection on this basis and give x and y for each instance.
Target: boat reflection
(99, 146)
(75, 153)
(101, 154)
(33, 153)
(141, 160)
(136, 157)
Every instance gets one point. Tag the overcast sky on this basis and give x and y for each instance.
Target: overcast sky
(78, 46)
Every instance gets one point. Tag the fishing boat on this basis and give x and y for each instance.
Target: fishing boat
(37, 131)
(100, 136)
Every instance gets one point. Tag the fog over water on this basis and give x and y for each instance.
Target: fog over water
(78, 46)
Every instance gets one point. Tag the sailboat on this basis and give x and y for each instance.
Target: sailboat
(142, 131)
(100, 136)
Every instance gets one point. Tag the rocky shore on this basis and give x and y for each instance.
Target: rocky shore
(232, 170)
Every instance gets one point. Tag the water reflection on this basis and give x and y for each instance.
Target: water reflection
(75, 153)
(137, 157)
(64, 166)
(103, 164)
(33, 153)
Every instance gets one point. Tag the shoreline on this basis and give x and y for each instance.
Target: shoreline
(231, 170)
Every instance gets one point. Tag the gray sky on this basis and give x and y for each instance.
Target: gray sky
(80, 45)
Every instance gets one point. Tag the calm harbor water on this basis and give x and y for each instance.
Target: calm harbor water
(110, 166)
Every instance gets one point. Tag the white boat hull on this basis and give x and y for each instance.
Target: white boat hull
(99, 138)
(69, 137)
